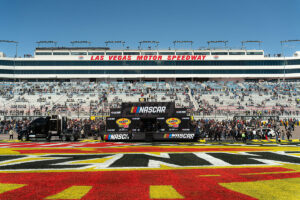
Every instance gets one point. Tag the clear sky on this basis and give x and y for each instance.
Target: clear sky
(270, 21)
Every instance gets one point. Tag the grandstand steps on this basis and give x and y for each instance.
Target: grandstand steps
(195, 103)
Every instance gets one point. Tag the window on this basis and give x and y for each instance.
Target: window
(202, 53)
(166, 53)
(113, 53)
(170, 71)
(254, 53)
(150, 63)
(149, 53)
(61, 53)
(237, 53)
(131, 53)
(95, 53)
(184, 53)
(43, 53)
(78, 53)
(219, 53)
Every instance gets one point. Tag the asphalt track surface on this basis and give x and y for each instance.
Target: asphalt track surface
(93, 170)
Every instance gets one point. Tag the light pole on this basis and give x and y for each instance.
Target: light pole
(16, 43)
(46, 42)
(183, 41)
(115, 42)
(80, 42)
(218, 41)
(282, 51)
(156, 43)
(11, 42)
(16, 54)
(251, 41)
(284, 59)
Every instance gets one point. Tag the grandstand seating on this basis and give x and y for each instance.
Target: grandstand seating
(210, 98)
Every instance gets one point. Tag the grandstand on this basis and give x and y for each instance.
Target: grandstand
(80, 82)
(208, 99)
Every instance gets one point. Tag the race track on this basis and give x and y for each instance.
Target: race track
(148, 171)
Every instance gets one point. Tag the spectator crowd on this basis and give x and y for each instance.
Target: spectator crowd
(215, 102)
(214, 130)
(208, 99)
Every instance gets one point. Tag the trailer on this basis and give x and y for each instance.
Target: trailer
(47, 128)
(149, 121)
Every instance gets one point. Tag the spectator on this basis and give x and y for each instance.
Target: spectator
(11, 134)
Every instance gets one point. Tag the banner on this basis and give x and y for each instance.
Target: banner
(100, 58)
(123, 124)
(148, 109)
(142, 99)
(135, 124)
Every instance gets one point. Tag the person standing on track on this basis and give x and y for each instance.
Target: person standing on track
(244, 139)
(288, 134)
(11, 134)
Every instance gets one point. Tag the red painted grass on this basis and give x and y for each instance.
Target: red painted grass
(135, 184)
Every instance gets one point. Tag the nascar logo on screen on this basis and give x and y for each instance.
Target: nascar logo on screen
(173, 122)
(116, 137)
(148, 109)
(123, 122)
(179, 136)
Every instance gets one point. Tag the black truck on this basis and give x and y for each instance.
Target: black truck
(48, 127)
(149, 121)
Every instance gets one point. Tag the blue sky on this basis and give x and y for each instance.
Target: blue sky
(271, 21)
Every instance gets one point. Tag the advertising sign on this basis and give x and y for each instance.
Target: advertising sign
(121, 124)
(148, 109)
(145, 57)
(173, 122)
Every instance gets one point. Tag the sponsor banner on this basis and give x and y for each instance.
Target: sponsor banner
(173, 122)
(187, 136)
(97, 117)
(131, 117)
(148, 57)
(142, 99)
(122, 136)
(123, 122)
(178, 124)
(148, 109)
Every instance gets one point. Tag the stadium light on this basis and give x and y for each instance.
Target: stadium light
(251, 41)
(285, 41)
(13, 42)
(80, 42)
(16, 55)
(148, 42)
(182, 41)
(217, 41)
(282, 51)
(115, 42)
(46, 42)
